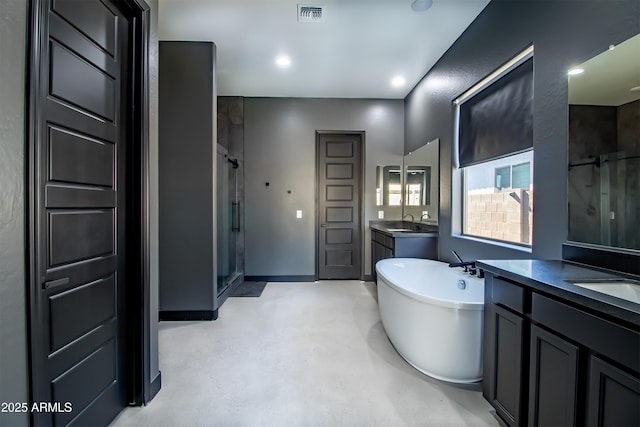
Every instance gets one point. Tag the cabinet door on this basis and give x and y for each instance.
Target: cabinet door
(553, 380)
(506, 395)
(378, 252)
(376, 255)
(614, 396)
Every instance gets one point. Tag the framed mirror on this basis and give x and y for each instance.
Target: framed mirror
(604, 148)
(421, 174)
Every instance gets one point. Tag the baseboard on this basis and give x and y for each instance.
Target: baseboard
(368, 278)
(154, 387)
(280, 278)
(188, 315)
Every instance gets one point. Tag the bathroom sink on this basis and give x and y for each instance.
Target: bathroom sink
(625, 289)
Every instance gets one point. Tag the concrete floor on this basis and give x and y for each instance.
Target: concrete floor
(303, 354)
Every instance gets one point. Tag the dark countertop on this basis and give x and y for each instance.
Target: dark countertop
(417, 229)
(554, 278)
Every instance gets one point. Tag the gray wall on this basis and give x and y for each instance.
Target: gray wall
(154, 366)
(280, 148)
(13, 303)
(187, 167)
(564, 33)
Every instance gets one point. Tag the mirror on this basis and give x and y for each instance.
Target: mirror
(388, 185)
(604, 148)
(421, 174)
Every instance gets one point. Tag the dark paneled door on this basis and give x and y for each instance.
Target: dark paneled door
(339, 168)
(79, 351)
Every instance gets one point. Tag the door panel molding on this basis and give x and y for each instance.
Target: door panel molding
(49, 286)
(334, 229)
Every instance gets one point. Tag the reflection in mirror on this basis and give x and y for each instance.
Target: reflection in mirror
(604, 148)
(388, 185)
(421, 183)
(417, 185)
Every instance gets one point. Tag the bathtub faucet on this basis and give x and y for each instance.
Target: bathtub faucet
(469, 266)
(466, 264)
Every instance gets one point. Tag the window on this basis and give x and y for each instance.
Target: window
(395, 194)
(498, 199)
(503, 178)
(495, 155)
(521, 175)
(513, 176)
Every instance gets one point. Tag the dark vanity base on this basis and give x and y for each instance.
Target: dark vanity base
(421, 241)
(554, 353)
(188, 315)
(601, 257)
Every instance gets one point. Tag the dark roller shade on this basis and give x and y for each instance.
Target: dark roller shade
(498, 120)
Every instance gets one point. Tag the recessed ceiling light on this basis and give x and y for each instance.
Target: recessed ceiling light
(421, 5)
(398, 81)
(576, 71)
(283, 61)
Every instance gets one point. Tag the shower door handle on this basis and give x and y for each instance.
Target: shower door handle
(235, 216)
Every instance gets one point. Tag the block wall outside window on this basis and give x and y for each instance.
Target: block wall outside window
(499, 216)
(498, 199)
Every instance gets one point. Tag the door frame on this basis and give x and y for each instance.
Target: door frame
(361, 188)
(141, 388)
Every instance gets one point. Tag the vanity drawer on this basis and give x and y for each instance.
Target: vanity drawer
(508, 294)
(601, 336)
(383, 239)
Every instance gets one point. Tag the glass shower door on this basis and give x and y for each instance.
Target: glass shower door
(619, 220)
(228, 224)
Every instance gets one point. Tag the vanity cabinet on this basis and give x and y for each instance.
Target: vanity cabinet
(382, 246)
(504, 345)
(613, 396)
(549, 362)
(553, 386)
(391, 245)
(508, 351)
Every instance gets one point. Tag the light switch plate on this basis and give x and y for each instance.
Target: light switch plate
(298, 214)
(380, 214)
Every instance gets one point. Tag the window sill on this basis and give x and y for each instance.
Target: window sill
(505, 245)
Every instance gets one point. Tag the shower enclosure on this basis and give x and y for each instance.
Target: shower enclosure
(228, 224)
(604, 200)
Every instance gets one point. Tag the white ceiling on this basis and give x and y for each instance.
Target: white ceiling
(354, 53)
(608, 77)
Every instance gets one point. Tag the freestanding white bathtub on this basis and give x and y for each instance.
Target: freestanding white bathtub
(434, 324)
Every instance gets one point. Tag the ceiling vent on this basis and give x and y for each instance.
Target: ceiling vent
(310, 13)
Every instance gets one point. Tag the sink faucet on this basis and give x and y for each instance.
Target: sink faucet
(424, 215)
(406, 215)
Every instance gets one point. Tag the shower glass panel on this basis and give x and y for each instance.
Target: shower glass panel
(228, 224)
(604, 200)
(619, 214)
